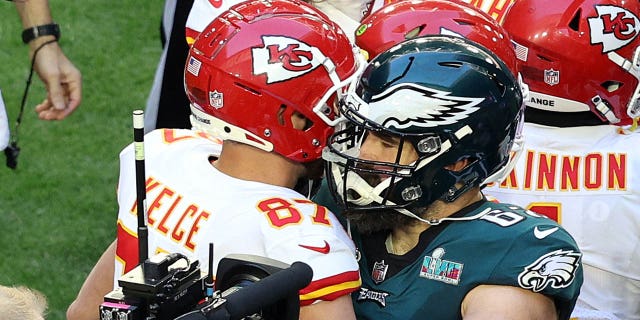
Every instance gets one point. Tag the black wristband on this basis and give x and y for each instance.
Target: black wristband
(51, 29)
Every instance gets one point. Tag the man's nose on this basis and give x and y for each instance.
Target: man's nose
(369, 151)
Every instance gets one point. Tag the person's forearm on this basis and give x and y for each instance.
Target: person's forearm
(34, 12)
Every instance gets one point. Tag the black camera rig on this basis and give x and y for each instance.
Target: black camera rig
(167, 287)
(162, 287)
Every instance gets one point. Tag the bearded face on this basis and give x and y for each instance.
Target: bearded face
(387, 151)
(374, 220)
(370, 221)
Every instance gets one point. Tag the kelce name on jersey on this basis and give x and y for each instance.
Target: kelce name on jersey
(176, 219)
(549, 171)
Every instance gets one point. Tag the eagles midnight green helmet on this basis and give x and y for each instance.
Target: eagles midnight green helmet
(452, 99)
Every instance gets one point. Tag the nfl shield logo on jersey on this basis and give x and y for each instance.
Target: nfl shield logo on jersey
(379, 272)
(215, 99)
(551, 77)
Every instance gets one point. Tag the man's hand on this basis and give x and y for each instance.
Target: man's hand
(62, 80)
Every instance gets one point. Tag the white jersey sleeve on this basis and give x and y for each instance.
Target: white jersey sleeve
(191, 204)
(586, 178)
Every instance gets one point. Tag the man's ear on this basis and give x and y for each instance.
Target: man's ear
(298, 120)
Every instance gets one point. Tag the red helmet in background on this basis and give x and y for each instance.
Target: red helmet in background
(407, 19)
(259, 63)
(580, 55)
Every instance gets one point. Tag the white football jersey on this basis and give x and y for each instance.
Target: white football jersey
(588, 179)
(191, 204)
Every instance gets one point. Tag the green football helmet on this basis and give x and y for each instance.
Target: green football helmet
(452, 99)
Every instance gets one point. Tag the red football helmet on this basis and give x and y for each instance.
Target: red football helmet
(579, 55)
(261, 61)
(407, 19)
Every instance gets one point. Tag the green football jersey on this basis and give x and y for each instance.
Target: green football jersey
(502, 245)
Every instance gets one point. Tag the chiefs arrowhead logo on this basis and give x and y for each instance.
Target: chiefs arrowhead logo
(283, 58)
(614, 27)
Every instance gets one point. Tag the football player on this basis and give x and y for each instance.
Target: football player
(164, 107)
(403, 20)
(261, 77)
(415, 209)
(581, 60)
(431, 121)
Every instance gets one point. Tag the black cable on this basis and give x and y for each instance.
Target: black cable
(12, 151)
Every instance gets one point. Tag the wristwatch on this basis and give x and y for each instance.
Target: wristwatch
(51, 29)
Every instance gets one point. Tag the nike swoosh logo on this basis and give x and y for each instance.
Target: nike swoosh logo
(324, 250)
(541, 234)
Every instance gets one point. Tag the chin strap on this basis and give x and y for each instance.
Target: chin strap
(435, 222)
(633, 67)
(605, 109)
(454, 193)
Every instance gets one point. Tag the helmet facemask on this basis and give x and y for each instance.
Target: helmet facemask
(364, 185)
(460, 115)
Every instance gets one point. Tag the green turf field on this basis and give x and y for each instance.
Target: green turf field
(58, 209)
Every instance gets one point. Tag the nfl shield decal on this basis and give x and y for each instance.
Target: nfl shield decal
(215, 99)
(379, 272)
(551, 77)
(436, 268)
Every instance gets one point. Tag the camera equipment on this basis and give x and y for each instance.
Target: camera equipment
(162, 287)
(254, 287)
(169, 286)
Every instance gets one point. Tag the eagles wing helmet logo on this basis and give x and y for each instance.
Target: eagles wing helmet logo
(283, 58)
(407, 104)
(614, 27)
(557, 269)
